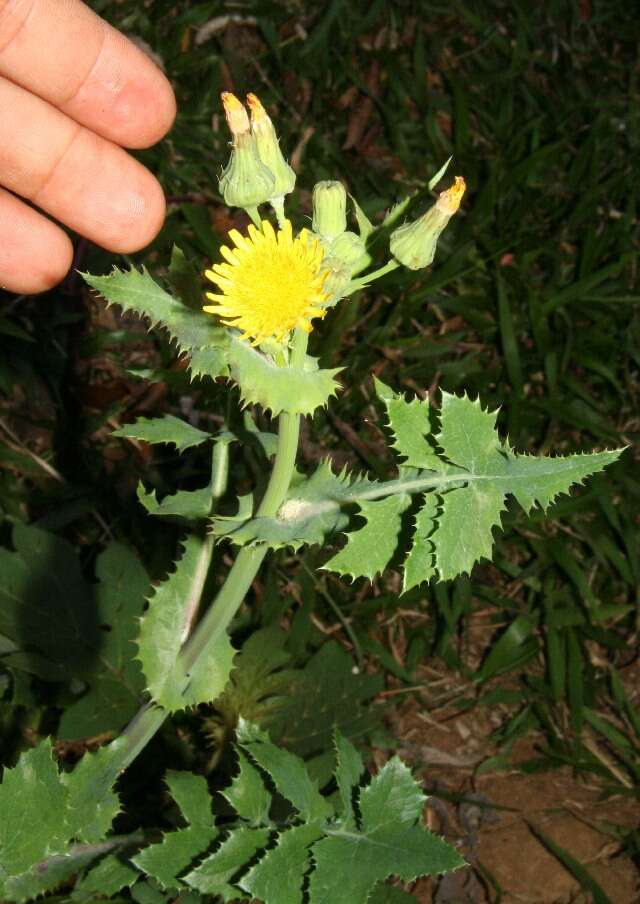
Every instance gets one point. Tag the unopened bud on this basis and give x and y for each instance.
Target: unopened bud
(269, 149)
(351, 250)
(414, 245)
(246, 181)
(329, 209)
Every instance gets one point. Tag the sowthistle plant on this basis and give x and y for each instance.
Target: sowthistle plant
(270, 288)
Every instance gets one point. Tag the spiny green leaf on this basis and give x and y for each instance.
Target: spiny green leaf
(419, 564)
(369, 549)
(538, 481)
(191, 793)
(288, 772)
(107, 877)
(214, 874)
(163, 630)
(409, 422)
(311, 511)
(468, 435)
(247, 793)
(92, 804)
(393, 790)
(279, 876)
(165, 429)
(349, 768)
(389, 842)
(190, 504)
(32, 803)
(136, 291)
(170, 857)
(299, 390)
(216, 351)
(47, 876)
(299, 707)
(464, 531)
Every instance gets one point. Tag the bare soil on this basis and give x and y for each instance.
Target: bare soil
(494, 825)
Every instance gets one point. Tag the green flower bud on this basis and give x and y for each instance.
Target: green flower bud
(337, 280)
(246, 181)
(351, 250)
(268, 149)
(329, 209)
(414, 245)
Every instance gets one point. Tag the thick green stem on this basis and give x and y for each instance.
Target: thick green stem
(149, 719)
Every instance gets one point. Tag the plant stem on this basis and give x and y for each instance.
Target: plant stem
(231, 595)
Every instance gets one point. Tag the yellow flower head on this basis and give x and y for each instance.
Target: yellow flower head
(270, 284)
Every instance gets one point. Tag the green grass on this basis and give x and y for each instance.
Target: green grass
(533, 304)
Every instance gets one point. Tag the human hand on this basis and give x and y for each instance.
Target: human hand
(73, 93)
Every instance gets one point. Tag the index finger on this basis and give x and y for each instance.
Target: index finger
(69, 56)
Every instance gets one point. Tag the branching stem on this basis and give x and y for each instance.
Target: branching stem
(231, 595)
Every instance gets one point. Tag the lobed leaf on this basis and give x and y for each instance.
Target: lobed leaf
(370, 548)
(288, 772)
(170, 857)
(217, 351)
(214, 874)
(166, 429)
(163, 631)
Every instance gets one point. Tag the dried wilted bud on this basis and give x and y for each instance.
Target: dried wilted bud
(246, 181)
(269, 149)
(414, 244)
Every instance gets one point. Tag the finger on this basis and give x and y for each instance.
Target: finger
(35, 254)
(69, 56)
(80, 178)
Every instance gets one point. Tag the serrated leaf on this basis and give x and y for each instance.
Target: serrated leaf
(311, 511)
(300, 707)
(92, 804)
(369, 549)
(298, 390)
(247, 793)
(105, 879)
(468, 435)
(213, 875)
(419, 565)
(163, 630)
(349, 768)
(464, 531)
(392, 791)
(279, 876)
(32, 799)
(166, 429)
(538, 481)
(174, 854)
(46, 876)
(288, 772)
(217, 351)
(136, 291)
(389, 842)
(115, 683)
(170, 857)
(409, 422)
(191, 793)
(330, 692)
